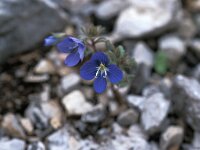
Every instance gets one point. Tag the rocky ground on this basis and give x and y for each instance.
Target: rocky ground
(46, 106)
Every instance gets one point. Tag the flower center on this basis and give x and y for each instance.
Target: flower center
(101, 69)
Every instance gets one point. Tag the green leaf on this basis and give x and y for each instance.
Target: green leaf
(161, 63)
(121, 50)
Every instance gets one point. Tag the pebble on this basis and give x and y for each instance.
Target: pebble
(12, 144)
(44, 66)
(11, 124)
(128, 117)
(27, 125)
(143, 54)
(173, 136)
(186, 99)
(76, 104)
(136, 101)
(154, 105)
(30, 78)
(96, 115)
(36, 146)
(70, 81)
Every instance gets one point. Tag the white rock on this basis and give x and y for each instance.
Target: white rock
(44, 66)
(173, 47)
(154, 105)
(136, 101)
(14, 144)
(76, 104)
(27, 125)
(143, 54)
(70, 81)
(139, 19)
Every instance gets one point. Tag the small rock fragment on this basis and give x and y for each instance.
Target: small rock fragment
(128, 117)
(27, 125)
(96, 115)
(44, 66)
(136, 101)
(30, 78)
(173, 47)
(173, 136)
(143, 54)
(70, 81)
(76, 104)
(154, 105)
(11, 124)
(12, 144)
(36, 146)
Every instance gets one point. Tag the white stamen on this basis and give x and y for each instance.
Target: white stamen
(105, 73)
(98, 69)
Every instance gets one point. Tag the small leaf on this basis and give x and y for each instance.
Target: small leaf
(122, 50)
(59, 35)
(161, 63)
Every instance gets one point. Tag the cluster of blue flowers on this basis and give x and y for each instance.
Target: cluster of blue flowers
(97, 68)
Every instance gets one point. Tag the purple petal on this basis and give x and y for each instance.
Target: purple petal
(67, 45)
(81, 50)
(100, 57)
(72, 60)
(100, 84)
(50, 40)
(88, 70)
(115, 75)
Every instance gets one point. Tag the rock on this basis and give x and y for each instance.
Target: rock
(141, 78)
(136, 101)
(150, 90)
(88, 92)
(12, 144)
(76, 104)
(44, 66)
(139, 19)
(143, 54)
(173, 136)
(194, 45)
(136, 130)
(195, 142)
(196, 72)
(36, 146)
(59, 140)
(34, 21)
(37, 116)
(70, 81)
(30, 78)
(96, 115)
(11, 124)
(154, 105)
(27, 125)
(108, 9)
(173, 47)
(128, 117)
(193, 6)
(186, 99)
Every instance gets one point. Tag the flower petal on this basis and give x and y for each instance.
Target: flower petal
(72, 60)
(115, 75)
(88, 70)
(50, 40)
(100, 84)
(67, 45)
(81, 49)
(100, 57)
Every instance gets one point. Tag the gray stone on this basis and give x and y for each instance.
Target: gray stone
(143, 54)
(150, 90)
(186, 99)
(111, 8)
(31, 78)
(70, 81)
(12, 144)
(139, 19)
(196, 72)
(141, 78)
(194, 45)
(76, 104)
(136, 101)
(173, 47)
(128, 117)
(154, 105)
(173, 136)
(96, 115)
(36, 146)
(22, 30)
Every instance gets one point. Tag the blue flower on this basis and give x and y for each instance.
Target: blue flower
(50, 40)
(74, 47)
(100, 69)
